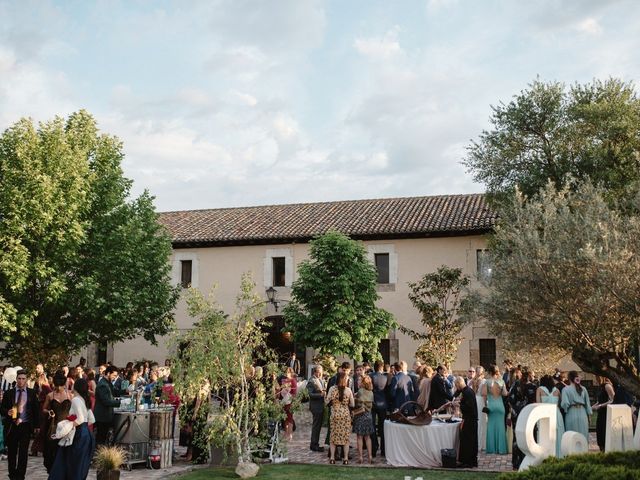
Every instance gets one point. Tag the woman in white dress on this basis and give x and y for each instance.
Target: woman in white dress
(477, 384)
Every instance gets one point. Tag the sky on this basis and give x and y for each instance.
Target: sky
(226, 103)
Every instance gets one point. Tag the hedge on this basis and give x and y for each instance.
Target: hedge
(590, 466)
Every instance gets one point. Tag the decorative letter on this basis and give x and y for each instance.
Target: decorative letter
(619, 436)
(543, 414)
(573, 443)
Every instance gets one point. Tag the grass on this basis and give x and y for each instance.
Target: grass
(329, 472)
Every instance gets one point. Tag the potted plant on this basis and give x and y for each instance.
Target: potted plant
(107, 462)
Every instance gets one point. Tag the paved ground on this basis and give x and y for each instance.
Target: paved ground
(297, 452)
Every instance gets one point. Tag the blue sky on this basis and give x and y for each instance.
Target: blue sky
(232, 103)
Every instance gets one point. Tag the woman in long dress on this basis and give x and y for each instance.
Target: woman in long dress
(72, 463)
(341, 398)
(56, 408)
(606, 395)
(476, 385)
(492, 393)
(424, 387)
(288, 390)
(575, 401)
(548, 393)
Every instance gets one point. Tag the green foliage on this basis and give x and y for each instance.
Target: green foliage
(438, 296)
(592, 466)
(79, 262)
(216, 356)
(565, 277)
(333, 301)
(548, 132)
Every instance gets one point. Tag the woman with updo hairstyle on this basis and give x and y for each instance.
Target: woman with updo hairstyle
(56, 408)
(492, 392)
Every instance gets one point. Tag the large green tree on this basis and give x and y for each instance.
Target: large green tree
(565, 277)
(551, 132)
(333, 307)
(80, 262)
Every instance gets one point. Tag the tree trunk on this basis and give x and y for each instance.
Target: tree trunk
(616, 366)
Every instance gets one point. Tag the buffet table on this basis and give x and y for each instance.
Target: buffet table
(419, 446)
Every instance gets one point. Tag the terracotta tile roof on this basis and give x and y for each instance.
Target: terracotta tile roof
(409, 217)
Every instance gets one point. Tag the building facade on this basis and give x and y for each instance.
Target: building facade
(405, 238)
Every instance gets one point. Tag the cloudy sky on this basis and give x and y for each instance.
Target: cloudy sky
(247, 102)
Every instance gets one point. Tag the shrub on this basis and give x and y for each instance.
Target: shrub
(109, 458)
(590, 466)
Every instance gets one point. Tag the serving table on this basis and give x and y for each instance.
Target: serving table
(419, 446)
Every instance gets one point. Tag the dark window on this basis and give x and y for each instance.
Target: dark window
(101, 353)
(487, 352)
(278, 271)
(484, 265)
(185, 274)
(382, 265)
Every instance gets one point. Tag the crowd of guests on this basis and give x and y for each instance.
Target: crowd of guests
(501, 396)
(45, 406)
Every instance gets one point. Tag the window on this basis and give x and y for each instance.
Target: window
(279, 269)
(484, 265)
(186, 269)
(382, 265)
(487, 352)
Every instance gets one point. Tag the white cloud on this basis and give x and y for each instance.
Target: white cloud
(383, 47)
(590, 26)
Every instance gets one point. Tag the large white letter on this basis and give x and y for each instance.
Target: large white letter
(573, 443)
(543, 414)
(619, 436)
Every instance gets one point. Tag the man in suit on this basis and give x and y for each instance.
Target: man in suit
(21, 412)
(402, 388)
(105, 403)
(317, 392)
(294, 363)
(379, 408)
(440, 393)
(468, 453)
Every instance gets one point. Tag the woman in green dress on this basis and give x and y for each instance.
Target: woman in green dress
(492, 391)
(575, 401)
(548, 393)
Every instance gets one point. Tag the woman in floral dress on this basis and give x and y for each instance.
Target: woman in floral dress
(341, 398)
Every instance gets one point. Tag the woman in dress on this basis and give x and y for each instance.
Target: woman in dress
(606, 394)
(363, 422)
(43, 388)
(424, 387)
(56, 408)
(341, 398)
(492, 392)
(575, 402)
(476, 385)
(72, 463)
(288, 390)
(548, 393)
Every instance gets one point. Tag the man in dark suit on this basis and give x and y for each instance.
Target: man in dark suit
(440, 393)
(468, 454)
(21, 412)
(379, 408)
(294, 363)
(317, 392)
(402, 388)
(105, 403)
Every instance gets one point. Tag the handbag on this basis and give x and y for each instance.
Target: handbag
(357, 412)
(485, 410)
(449, 457)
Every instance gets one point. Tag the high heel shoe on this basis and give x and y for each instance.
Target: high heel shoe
(360, 461)
(332, 461)
(370, 461)
(345, 462)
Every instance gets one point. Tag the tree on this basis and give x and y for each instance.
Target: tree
(333, 301)
(219, 352)
(438, 296)
(79, 262)
(565, 276)
(548, 132)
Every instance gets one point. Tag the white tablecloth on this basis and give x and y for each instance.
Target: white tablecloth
(413, 446)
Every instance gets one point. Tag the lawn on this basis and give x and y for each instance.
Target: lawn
(297, 472)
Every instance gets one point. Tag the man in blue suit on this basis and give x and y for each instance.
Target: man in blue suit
(379, 409)
(402, 390)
